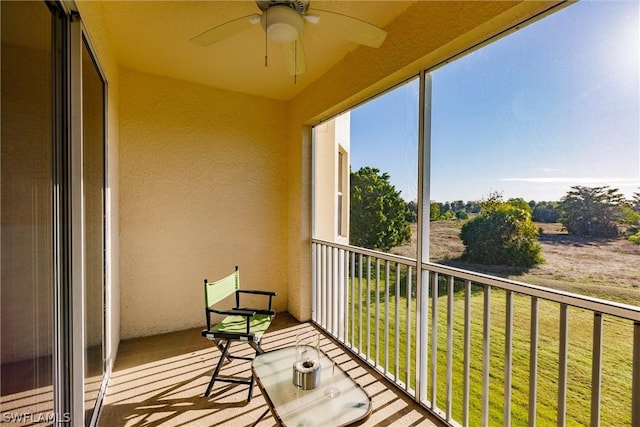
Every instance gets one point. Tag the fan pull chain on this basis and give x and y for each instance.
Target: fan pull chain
(266, 37)
(295, 62)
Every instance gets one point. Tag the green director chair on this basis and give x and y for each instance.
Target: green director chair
(241, 324)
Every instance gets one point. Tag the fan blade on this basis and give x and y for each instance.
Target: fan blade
(349, 28)
(294, 57)
(226, 30)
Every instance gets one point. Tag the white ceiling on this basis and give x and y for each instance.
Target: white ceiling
(154, 36)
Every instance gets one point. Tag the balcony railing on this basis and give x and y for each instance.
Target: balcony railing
(477, 349)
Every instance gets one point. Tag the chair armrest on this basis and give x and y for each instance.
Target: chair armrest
(256, 292)
(214, 335)
(235, 312)
(248, 291)
(247, 313)
(258, 310)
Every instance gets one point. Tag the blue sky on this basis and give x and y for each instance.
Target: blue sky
(553, 105)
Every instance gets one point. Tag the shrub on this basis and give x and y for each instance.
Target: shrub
(635, 238)
(548, 212)
(502, 234)
(462, 214)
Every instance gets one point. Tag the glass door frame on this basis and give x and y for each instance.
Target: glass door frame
(85, 42)
(68, 222)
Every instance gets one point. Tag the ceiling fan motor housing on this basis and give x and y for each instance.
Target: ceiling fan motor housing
(299, 5)
(282, 23)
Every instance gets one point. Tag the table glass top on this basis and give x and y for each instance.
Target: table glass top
(297, 407)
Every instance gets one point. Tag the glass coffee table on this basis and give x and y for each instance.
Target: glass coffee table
(292, 406)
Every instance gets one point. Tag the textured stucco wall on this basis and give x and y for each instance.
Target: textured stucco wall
(203, 188)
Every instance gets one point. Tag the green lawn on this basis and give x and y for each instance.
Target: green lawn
(616, 366)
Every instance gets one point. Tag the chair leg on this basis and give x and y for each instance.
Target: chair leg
(258, 350)
(217, 370)
(219, 344)
(250, 389)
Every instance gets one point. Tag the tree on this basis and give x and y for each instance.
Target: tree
(503, 233)
(632, 218)
(458, 205)
(434, 211)
(378, 213)
(548, 212)
(472, 207)
(593, 211)
(412, 212)
(635, 203)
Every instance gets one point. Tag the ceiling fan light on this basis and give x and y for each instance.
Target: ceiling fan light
(282, 33)
(283, 24)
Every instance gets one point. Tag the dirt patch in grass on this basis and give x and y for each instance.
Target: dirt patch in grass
(603, 268)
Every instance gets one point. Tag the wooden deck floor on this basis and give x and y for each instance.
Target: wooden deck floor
(160, 381)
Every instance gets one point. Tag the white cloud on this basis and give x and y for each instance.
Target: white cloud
(575, 181)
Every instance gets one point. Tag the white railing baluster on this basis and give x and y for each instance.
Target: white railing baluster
(635, 387)
(450, 289)
(397, 326)
(368, 319)
(533, 362)
(434, 341)
(486, 354)
(421, 367)
(596, 369)
(323, 287)
(408, 331)
(325, 280)
(316, 291)
(353, 300)
(376, 361)
(331, 288)
(360, 258)
(508, 358)
(386, 316)
(467, 352)
(314, 281)
(335, 288)
(345, 302)
(563, 353)
(341, 282)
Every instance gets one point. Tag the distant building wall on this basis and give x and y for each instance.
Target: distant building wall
(331, 174)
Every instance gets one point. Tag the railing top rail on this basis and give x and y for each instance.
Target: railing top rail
(625, 311)
(369, 252)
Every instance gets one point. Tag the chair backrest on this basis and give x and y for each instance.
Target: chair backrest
(220, 289)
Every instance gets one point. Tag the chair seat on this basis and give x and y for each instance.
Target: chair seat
(258, 325)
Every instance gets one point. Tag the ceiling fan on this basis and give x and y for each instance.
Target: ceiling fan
(283, 22)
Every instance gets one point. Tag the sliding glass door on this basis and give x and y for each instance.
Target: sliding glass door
(52, 217)
(26, 292)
